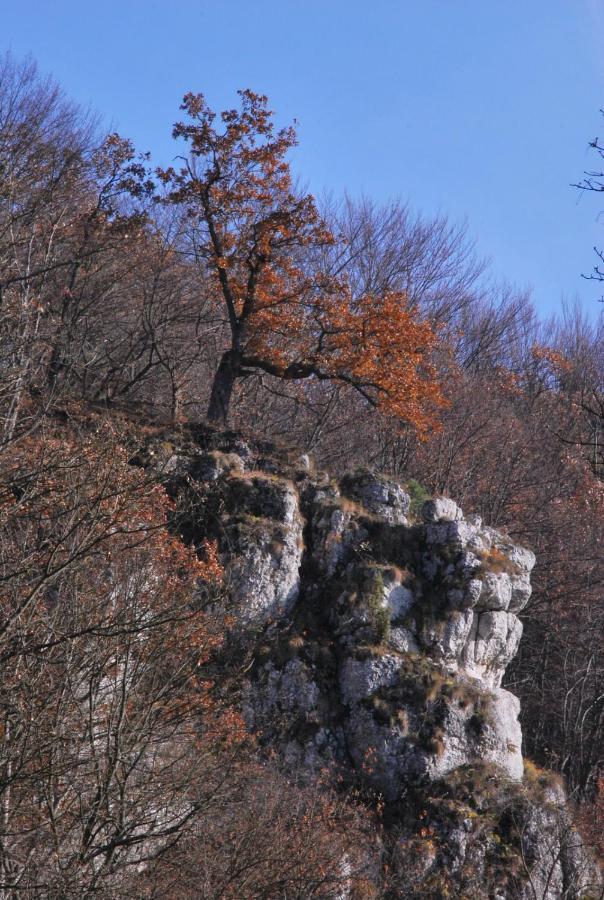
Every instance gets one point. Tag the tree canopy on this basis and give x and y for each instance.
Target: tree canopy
(256, 236)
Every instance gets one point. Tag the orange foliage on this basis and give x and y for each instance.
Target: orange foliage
(104, 643)
(260, 241)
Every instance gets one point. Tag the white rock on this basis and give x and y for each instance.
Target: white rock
(403, 640)
(381, 496)
(459, 533)
(457, 629)
(497, 741)
(441, 508)
(496, 593)
(503, 742)
(521, 557)
(491, 643)
(263, 571)
(400, 599)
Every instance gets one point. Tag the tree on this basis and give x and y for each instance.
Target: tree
(111, 742)
(593, 180)
(270, 836)
(71, 224)
(42, 143)
(254, 234)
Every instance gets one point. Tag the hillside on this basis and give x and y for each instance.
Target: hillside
(301, 529)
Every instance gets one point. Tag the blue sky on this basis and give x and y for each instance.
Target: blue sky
(480, 109)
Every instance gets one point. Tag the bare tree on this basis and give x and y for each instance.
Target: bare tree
(593, 180)
(110, 734)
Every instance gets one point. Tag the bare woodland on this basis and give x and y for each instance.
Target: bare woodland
(364, 335)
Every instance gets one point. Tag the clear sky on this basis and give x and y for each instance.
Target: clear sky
(481, 109)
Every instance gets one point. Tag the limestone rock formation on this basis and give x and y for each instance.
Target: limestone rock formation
(382, 635)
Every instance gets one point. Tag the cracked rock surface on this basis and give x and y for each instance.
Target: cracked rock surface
(399, 623)
(382, 631)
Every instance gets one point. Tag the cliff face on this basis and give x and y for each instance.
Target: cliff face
(382, 628)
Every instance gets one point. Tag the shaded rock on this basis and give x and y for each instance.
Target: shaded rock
(492, 841)
(336, 534)
(286, 691)
(379, 495)
(361, 678)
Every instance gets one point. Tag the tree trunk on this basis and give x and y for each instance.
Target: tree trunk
(222, 388)
(55, 366)
(175, 404)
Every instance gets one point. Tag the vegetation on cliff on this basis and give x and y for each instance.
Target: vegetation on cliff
(153, 567)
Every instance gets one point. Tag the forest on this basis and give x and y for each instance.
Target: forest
(135, 299)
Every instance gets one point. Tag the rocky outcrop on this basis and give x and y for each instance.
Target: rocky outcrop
(483, 837)
(417, 619)
(381, 633)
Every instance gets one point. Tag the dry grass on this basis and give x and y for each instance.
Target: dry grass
(258, 475)
(355, 509)
(537, 777)
(495, 561)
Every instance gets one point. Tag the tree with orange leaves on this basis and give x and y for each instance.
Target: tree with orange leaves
(255, 234)
(112, 741)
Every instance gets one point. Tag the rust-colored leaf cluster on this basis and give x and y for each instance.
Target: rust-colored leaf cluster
(260, 242)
